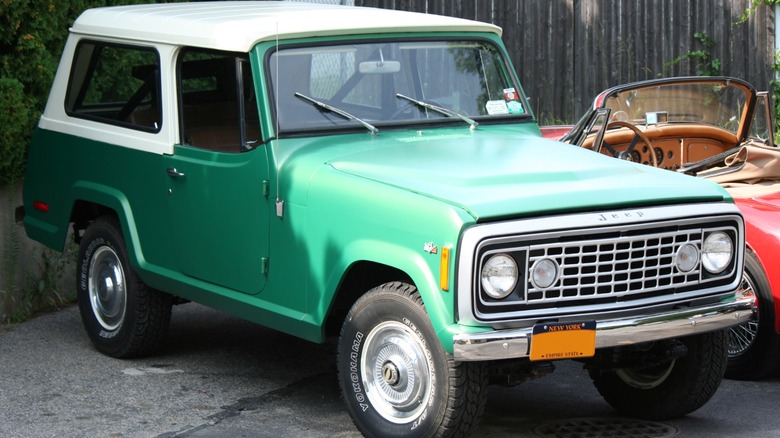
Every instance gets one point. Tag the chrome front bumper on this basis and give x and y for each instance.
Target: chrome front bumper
(516, 343)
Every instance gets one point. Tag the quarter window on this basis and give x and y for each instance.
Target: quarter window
(116, 84)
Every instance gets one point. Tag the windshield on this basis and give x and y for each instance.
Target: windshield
(717, 104)
(385, 83)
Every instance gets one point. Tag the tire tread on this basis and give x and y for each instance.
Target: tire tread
(693, 382)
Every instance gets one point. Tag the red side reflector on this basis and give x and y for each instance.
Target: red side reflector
(41, 206)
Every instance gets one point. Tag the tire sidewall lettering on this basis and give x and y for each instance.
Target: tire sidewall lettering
(87, 260)
(353, 384)
(354, 370)
(109, 334)
(431, 367)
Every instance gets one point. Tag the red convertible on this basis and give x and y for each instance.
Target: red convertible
(717, 128)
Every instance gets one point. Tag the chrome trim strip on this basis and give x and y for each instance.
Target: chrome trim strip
(516, 343)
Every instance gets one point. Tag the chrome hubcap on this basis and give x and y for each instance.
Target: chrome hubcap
(390, 374)
(396, 373)
(107, 291)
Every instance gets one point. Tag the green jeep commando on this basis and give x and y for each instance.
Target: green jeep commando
(375, 177)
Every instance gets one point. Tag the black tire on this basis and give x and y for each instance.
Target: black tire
(670, 390)
(122, 316)
(754, 347)
(387, 351)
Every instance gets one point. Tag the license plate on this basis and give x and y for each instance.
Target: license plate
(571, 340)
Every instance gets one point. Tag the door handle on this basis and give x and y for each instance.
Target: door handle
(173, 173)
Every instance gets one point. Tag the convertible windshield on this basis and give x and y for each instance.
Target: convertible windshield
(386, 83)
(719, 104)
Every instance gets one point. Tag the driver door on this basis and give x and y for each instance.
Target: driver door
(218, 205)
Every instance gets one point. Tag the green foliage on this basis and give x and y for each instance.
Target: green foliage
(31, 41)
(16, 122)
(33, 35)
(705, 64)
(774, 84)
(32, 38)
(753, 6)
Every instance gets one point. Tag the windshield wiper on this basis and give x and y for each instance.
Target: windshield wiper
(333, 109)
(447, 112)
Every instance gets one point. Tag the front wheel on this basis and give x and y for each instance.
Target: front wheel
(668, 389)
(395, 377)
(122, 316)
(754, 347)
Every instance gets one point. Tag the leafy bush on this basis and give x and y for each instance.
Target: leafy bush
(32, 37)
(34, 32)
(17, 118)
(705, 65)
(31, 41)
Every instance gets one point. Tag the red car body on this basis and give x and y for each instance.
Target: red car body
(762, 232)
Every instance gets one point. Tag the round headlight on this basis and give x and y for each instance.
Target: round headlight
(716, 252)
(544, 272)
(499, 276)
(686, 258)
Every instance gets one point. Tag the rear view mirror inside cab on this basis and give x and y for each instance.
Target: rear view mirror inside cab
(379, 67)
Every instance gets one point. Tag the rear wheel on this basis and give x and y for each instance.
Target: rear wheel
(122, 316)
(754, 347)
(395, 377)
(668, 389)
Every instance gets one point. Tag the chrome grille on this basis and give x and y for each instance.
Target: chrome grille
(598, 268)
(609, 263)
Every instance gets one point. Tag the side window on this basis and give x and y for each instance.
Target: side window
(115, 84)
(217, 105)
(761, 128)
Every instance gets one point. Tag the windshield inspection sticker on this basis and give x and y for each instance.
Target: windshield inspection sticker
(515, 107)
(512, 102)
(494, 107)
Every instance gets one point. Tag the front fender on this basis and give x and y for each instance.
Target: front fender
(420, 266)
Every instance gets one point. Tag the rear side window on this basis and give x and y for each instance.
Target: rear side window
(115, 84)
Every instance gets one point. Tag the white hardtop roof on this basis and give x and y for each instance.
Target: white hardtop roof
(239, 25)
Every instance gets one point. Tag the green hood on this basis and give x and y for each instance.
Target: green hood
(498, 172)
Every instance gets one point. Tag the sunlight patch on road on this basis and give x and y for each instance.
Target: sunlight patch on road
(145, 371)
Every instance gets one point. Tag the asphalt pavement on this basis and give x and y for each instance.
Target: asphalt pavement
(219, 376)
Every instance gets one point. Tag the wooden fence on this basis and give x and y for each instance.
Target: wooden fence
(566, 51)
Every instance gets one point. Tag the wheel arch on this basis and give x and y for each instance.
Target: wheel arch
(364, 272)
(91, 201)
(359, 278)
(773, 278)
